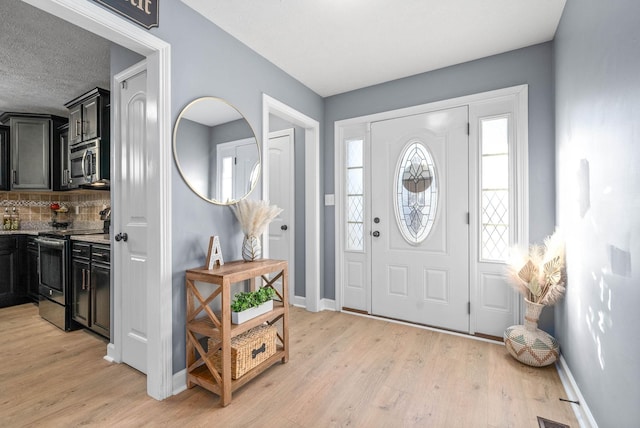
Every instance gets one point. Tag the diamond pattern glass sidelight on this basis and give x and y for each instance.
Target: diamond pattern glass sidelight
(495, 188)
(416, 193)
(495, 224)
(355, 195)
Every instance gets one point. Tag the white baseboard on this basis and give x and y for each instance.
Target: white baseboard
(582, 412)
(179, 381)
(111, 354)
(299, 301)
(327, 305)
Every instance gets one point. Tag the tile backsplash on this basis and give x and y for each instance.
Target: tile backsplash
(33, 207)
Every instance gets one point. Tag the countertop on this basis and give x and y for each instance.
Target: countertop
(95, 239)
(19, 232)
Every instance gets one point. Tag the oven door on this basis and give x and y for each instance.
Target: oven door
(52, 268)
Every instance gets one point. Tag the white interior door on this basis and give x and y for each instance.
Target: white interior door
(420, 208)
(237, 169)
(281, 193)
(131, 263)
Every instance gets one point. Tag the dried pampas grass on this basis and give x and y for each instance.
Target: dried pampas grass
(539, 275)
(254, 216)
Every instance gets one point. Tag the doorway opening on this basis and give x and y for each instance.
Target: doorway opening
(311, 256)
(97, 20)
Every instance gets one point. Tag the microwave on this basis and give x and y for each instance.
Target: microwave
(88, 163)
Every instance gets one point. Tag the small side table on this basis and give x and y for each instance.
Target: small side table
(200, 370)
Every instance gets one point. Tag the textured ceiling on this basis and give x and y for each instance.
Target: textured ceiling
(46, 61)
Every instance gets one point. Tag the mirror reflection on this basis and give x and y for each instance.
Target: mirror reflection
(216, 151)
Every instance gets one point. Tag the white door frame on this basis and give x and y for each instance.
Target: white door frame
(312, 189)
(100, 21)
(291, 235)
(521, 217)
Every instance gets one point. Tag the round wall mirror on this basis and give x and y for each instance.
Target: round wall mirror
(216, 151)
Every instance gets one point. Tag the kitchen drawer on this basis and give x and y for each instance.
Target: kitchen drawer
(32, 244)
(101, 253)
(80, 250)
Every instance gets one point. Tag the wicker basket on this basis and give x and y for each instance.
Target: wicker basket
(247, 350)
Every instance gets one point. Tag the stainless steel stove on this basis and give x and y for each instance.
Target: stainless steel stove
(53, 267)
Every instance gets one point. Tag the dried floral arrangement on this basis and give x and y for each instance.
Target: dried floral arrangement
(254, 216)
(539, 275)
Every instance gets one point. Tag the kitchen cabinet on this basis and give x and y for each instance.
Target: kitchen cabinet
(29, 280)
(4, 157)
(91, 286)
(30, 268)
(100, 290)
(30, 147)
(89, 116)
(60, 159)
(11, 291)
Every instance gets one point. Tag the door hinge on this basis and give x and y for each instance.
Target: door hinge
(235, 160)
(468, 218)
(469, 308)
(124, 84)
(468, 128)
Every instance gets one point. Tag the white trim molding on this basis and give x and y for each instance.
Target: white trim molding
(312, 189)
(581, 410)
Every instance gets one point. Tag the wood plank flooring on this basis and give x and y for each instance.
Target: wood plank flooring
(344, 371)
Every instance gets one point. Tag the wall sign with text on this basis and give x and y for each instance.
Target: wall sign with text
(142, 12)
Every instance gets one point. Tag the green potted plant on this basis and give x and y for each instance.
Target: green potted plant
(247, 305)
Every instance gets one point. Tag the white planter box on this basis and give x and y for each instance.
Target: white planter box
(246, 315)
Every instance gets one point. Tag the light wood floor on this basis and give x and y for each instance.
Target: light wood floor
(344, 370)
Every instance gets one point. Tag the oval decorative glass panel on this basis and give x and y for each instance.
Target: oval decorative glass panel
(416, 187)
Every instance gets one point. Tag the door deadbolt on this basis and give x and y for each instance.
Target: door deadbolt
(376, 220)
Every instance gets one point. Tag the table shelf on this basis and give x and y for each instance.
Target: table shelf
(206, 327)
(203, 377)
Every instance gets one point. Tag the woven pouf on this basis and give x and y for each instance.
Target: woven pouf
(528, 344)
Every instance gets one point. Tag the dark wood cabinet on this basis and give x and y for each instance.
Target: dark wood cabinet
(100, 291)
(30, 268)
(60, 159)
(4, 157)
(89, 116)
(31, 136)
(80, 286)
(11, 290)
(91, 286)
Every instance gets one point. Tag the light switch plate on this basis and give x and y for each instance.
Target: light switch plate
(329, 200)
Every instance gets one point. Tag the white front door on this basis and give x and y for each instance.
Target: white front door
(281, 193)
(419, 211)
(131, 264)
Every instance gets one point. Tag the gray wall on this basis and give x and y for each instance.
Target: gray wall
(278, 124)
(532, 66)
(207, 61)
(597, 64)
(122, 58)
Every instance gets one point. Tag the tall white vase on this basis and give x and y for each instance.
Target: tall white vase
(251, 248)
(527, 343)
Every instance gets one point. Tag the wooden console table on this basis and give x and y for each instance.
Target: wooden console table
(200, 369)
